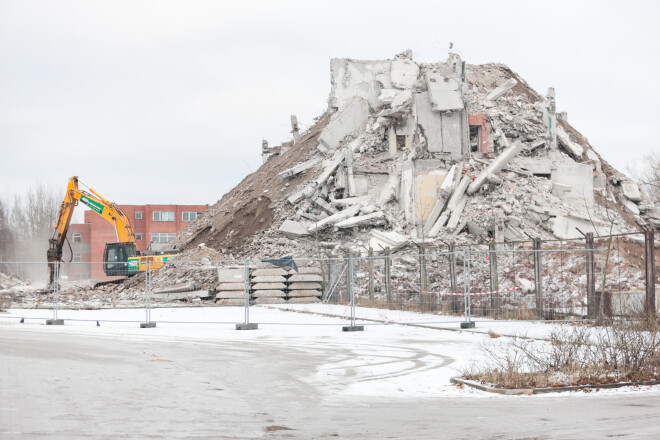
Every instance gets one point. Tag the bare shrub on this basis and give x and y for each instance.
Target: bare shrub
(574, 355)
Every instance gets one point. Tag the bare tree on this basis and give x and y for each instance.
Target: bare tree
(649, 177)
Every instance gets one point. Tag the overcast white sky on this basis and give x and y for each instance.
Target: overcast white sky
(167, 101)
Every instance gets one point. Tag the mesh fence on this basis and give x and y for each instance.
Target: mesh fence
(513, 281)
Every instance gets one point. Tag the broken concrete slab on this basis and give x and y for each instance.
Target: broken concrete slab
(335, 218)
(184, 287)
(572, 147)
(360, 220)
(347, 121)
(239, 285)
(444, 93)
(355, 78)
(307, 270)
(403, 73)
(230, 295)
(231, 275)
(293, 229)
(381, 240)
(456, 213)
(501, 90)
(631, 191)
(631, 207)
(574, 184)
(495, 166)
(293, 171)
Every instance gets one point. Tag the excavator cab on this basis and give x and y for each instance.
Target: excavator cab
(115, 257)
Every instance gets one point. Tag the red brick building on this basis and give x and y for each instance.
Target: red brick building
(154, 227)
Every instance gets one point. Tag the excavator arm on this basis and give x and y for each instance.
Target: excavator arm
(96, 203)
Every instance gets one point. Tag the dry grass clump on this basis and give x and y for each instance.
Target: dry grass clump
(575, 355)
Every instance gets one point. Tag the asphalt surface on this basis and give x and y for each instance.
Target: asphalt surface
(70, 386)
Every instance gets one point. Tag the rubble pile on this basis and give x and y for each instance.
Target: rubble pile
(408, 156)
(429, 153)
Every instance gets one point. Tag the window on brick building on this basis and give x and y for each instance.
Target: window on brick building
(76, 258)
(77, 237)
(138, 237)
(163, 216)
(188, 216)
(138, 215)
(162, 237)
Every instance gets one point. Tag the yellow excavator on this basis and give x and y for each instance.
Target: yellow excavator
(119, 259)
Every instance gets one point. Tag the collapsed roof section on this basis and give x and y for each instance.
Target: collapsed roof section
(433, 151)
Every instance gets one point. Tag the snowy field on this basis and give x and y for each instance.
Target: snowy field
(297, 376)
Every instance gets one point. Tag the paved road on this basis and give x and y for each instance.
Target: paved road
(70, 386)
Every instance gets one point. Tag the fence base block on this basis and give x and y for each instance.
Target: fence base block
(147, 324)
(54, 322)
(353, 328)
(470, 324)
(251, 326)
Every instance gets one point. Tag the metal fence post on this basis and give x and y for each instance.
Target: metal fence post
(468, 323)
(538, 277)
(371, 275)
(56, 288)
(494, 279)
(455, 303)
(246, 325)
(351, 292)
(649, 259)
(147, 296)
(593, 308)
(388, 275)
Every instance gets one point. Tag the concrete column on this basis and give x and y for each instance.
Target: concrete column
(552, 119)
(391, 139)
(295, 130)
(649, 259)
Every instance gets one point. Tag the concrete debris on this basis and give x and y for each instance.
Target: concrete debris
(408, 152)
(501, 90)
(631, 191)
(495, 166)
(185, 287)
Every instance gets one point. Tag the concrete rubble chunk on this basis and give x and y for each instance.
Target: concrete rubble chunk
(381, 240)
(304, 293)
(293, 229)
(293, 171)
(304, 286)
(187, 296)
(631, 207)
(305, 277)
(403, 73)
(359, 220)
(268, 279)
(495, 166)
(268, 293)
(631, 191)
(501, 90)
(456, 214)
(304, 300)
(335, 218)
(269, 272)
(185, 287)
(222, 287)
(347, 121)
(572, 147)
(444, 93)
(230, 295)
(269, 286)
(231, 275)
(307, 269)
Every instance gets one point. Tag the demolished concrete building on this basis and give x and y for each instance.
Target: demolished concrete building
(411, 153)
